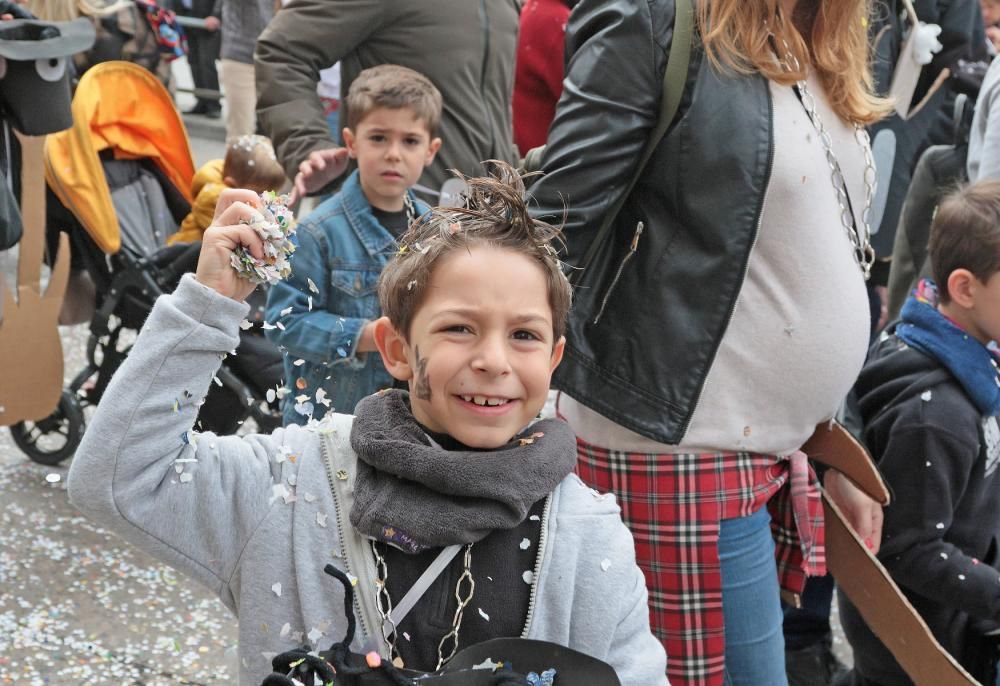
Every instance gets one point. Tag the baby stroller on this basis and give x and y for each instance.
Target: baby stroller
(121, 179)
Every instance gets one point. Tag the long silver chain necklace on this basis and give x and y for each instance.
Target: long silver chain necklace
(464, 590)
(860, 238)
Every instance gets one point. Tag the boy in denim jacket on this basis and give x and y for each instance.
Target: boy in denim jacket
(323, 314)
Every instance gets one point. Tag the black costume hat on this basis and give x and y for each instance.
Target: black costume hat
(491, 663)
(35, 72)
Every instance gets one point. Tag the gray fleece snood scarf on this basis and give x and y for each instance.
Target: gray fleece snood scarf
(416, 495)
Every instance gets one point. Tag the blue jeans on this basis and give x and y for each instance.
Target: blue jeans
(751, 602)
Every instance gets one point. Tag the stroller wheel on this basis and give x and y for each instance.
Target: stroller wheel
(51, 440)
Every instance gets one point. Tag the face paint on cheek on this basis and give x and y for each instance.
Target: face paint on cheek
(423, 389)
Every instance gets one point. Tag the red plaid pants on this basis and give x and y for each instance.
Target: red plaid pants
(673, 504)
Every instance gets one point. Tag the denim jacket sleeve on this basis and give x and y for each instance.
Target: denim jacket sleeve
(312, 333)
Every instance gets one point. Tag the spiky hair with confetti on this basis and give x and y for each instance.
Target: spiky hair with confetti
(495, 214)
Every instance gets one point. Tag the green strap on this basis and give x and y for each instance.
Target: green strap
(674, 80)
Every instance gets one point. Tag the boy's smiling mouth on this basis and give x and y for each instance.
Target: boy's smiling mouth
(485, 401)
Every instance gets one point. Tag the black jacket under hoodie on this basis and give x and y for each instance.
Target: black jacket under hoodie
(939, 456)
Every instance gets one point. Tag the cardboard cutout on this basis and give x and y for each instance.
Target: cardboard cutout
(35, 99)
(863, 578)
(31, 358)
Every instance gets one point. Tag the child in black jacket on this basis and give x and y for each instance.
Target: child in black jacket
(929, 397)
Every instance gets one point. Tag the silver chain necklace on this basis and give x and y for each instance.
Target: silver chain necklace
(384, 604)
(860, 239)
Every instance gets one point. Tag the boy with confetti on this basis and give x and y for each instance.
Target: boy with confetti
(456, 471)
(929, 397)
(324, 314)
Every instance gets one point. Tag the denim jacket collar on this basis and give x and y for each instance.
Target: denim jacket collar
(376, 239)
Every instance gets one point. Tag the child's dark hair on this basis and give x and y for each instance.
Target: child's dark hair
(250, 162)
(966, 234)
(494, 214)
(393, 87)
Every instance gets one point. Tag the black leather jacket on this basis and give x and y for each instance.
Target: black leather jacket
(652, 308)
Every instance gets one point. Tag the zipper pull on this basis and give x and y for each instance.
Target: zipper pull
(635, 239)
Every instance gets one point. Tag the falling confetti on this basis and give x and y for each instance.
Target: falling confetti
(245, 324)
(483, 614)
(312, 286)
(53, 478)
(605, 564)
(321, 519)
(925, 396)
(525, 544)
(528, 577)
(276, 588)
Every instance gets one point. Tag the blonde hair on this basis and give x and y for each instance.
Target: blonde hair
(737, 37)
(68, 10)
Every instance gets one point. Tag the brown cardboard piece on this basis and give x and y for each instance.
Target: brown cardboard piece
(863, 578)
(31, 359)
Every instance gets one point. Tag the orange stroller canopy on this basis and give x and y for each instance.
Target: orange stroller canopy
(118, 106)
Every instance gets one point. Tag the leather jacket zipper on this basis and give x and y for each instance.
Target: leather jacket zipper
(621, 267)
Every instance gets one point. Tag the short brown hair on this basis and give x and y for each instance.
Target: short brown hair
(494, 214)
(393, 87)
(251, 163)
(966, 234)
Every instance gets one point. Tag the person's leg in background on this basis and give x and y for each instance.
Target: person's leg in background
(203, 51)
(751, 602)
(241, 98)
(809, 658)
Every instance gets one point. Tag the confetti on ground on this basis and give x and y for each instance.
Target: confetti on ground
(79, 606)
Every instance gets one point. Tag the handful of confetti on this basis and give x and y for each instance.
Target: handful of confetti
(275, 224)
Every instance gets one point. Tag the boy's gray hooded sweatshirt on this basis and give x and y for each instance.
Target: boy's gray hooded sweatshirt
(255, 518)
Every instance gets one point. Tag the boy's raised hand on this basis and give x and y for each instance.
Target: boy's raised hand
(318, 170)
(230, 229)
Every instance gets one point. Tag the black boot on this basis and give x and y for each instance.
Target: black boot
(814, 665)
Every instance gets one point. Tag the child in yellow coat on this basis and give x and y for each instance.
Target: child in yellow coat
(250, 163)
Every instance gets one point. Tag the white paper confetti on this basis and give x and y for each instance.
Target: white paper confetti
(525, 544)
(534, 518)
(321, 519)
(310, 303)
(53, 478)
(944, 556)
(406, 636)
(245, 324)
(321, 398)
(605, 564)
(309, 498)
(314, 635)
(285, 628)
(298, 363)
(961, 577)
(267, 326)
(186, 477)
(528, 577)
(286, 311)
(483, 614)
(276, 588)
(939, 525)
(270, 395)
(312, 286)
(488, 663)
(925, 396)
